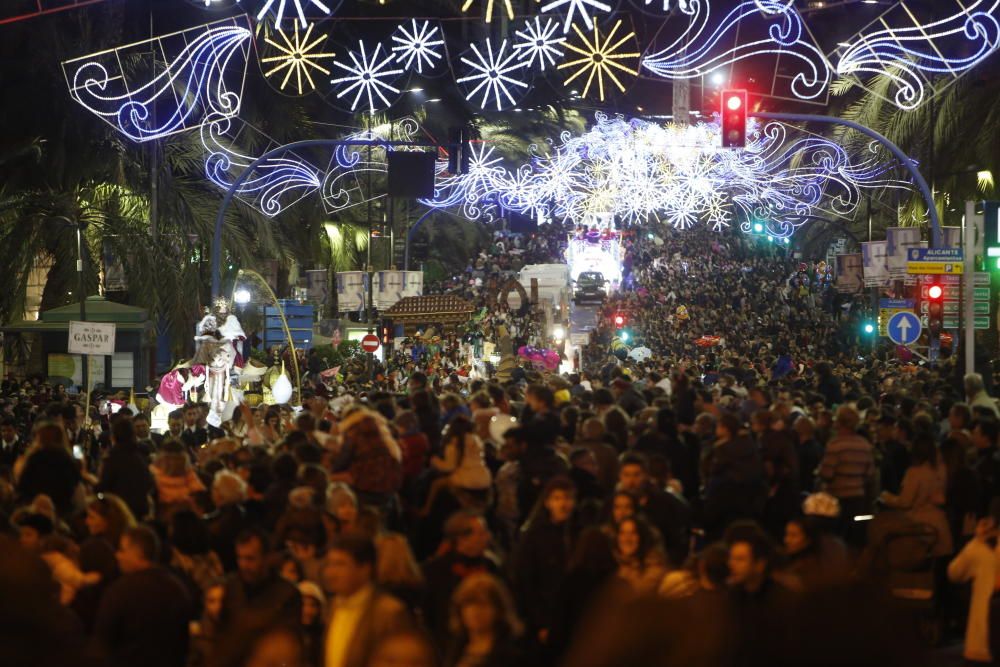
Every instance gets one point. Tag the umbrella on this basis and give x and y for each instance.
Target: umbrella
(640, 354)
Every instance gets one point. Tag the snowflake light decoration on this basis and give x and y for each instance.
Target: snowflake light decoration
(584, 8)
(297, 56)
(300, 9)
(636, 171)
(491, 7)
(684, 5)
(600, 59)
(539, 43)
(491, 75)
(418, 45)
(368, 77)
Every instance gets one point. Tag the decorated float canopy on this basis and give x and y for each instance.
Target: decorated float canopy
(417, 312)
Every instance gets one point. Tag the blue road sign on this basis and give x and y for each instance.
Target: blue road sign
(935, 255)
(904, 328)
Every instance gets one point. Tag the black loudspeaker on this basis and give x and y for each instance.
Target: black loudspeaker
(411, 175)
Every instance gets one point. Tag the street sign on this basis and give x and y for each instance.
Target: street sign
(982, 279)
(981, 322)
(370, 343)
(888, 308)
(935, 261)
(951, 307)
(91, 338)
(904, 328)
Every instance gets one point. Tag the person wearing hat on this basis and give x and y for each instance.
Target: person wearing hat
(313, 620)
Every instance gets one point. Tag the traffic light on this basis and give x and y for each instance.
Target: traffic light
(619, 320)
(385, 331)
(734, 118)
(868, 327)
(935, 310)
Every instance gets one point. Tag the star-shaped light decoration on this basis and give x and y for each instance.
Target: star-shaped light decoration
(584, 8)
(300, 9)
(297, 56)
(600, 59)
(418, 45)
(492, 6)
(368, 76)
(491, 74)
(538, 45)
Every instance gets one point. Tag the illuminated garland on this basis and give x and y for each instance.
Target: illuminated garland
(538, 45)
(418, 46)
(600, 58)
(637, 171)
(695, 54)
(300, 7)
(910, 56)
(296, 56)
(194, 83)
(583, 10)
(490, 75)
(275, 184)
(368, 78)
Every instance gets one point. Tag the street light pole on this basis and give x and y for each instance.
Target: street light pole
(85, 372)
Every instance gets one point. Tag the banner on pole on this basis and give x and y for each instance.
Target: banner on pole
(899, 240)
(91, 338)
(850, 273)
(874, 263)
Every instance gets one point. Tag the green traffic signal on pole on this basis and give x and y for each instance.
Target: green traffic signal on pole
(758, 228)
(869, 328)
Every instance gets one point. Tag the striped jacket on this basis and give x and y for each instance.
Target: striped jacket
(848, 465)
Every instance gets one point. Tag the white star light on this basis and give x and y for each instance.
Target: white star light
(418, 46)
(300, 9)
(491, 71)
(683, 5)
(538, 42)
(367, 75)
(573, 7)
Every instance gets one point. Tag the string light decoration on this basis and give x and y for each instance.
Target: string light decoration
(200, 83)
(491, 75)
(300, 7)
(776, 30)
(638, 171)
(922, 56)
(600, 59)
(582, 9)
(296, 57)
(368, 77)
(491, 7)
(275, 185)
(685, 6)
(538, 45)
(418, 45)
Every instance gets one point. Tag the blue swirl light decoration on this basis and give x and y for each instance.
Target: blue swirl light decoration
(275, 185)
(703, 48)
(638, 171)
(950, 46)
(194, 85)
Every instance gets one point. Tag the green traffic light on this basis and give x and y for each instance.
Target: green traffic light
(869, 328)
(758, 228)
(623, 335)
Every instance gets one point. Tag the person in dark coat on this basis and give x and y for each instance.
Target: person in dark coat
(539, 561)
(734, 486)
(125, 472)
(12, 446)
(465, 552)
(143, 617)
(666, 511)
(781, 471)
(483, 639)
(229, 519)
(256, 589)
(50, 469)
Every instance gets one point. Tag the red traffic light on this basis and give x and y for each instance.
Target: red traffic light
(734, 118)
(935, 292)
(619, 320)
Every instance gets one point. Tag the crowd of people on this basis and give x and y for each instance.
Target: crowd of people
(761, 501)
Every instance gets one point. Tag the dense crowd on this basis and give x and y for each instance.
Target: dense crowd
(769, 500)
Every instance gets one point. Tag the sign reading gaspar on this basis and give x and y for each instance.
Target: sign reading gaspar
(91, 338)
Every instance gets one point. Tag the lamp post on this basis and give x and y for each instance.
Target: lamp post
(79, 284)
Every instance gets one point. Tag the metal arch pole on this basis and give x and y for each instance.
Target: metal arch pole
(409, 237)
(937, 238)
(227, 199)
